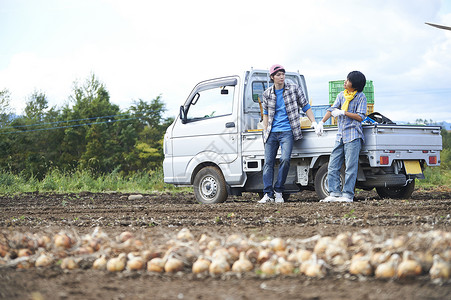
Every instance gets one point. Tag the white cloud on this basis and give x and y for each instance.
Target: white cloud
(141, 49)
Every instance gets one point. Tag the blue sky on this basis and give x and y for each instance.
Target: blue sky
(141, 49)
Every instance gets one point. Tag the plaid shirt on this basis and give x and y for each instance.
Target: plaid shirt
(294, 98)
(350, 129)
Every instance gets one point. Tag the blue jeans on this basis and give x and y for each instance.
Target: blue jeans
(349, 153)
(285, 140)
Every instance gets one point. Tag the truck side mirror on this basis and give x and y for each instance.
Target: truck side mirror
(182, 114)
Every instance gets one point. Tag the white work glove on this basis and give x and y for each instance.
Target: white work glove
(314, 125)
(338, 112)
(319, 128)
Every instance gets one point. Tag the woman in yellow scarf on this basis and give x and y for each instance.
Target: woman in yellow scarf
(350, 109)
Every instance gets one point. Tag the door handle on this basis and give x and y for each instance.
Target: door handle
(230, 124)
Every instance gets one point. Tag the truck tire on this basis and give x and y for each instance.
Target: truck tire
(210, 186)
(396, 192)
(321, 183)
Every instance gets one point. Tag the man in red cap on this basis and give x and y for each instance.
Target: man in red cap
(281, 123)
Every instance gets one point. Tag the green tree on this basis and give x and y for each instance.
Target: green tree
(147, 152)
(446, 139)
(87, 143)
(33, 147)
(87, 133)
(36, 106)
(5, 137)
(5, 108)
(445, 155)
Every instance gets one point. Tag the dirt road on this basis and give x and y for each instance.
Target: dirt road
(156, 219)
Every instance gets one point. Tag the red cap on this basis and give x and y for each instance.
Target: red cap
(275, 69)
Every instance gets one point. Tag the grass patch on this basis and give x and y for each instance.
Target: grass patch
(141, 182)
(435, 176)
(80, 181)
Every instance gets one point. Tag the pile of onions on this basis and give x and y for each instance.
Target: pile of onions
(360, 253)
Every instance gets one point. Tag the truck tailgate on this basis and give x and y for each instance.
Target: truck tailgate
(402, 137)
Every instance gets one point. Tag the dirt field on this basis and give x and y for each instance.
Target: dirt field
(156, 219)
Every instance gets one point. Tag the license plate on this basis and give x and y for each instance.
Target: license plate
(412, 167)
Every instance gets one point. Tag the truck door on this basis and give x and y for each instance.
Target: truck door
(207, 127)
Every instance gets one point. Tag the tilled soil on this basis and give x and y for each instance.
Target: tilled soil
(157, 218)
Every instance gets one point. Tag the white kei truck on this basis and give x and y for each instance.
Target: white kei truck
(214, 145)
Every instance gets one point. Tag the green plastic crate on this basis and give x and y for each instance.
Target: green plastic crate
(335, 87)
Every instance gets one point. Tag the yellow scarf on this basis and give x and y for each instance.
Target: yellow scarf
(348, 97)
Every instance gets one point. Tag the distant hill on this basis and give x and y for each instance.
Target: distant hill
(445, 125)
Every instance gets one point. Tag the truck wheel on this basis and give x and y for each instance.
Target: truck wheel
(396, 192)
(321, 183)
(210, 186)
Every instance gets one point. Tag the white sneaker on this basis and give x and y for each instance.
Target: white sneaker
(330, 199)
(279, 197)
(344, 199)
(266, 199)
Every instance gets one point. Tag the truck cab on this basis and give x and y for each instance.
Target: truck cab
(207, 133)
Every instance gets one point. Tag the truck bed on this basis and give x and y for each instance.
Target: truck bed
(406, 141)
